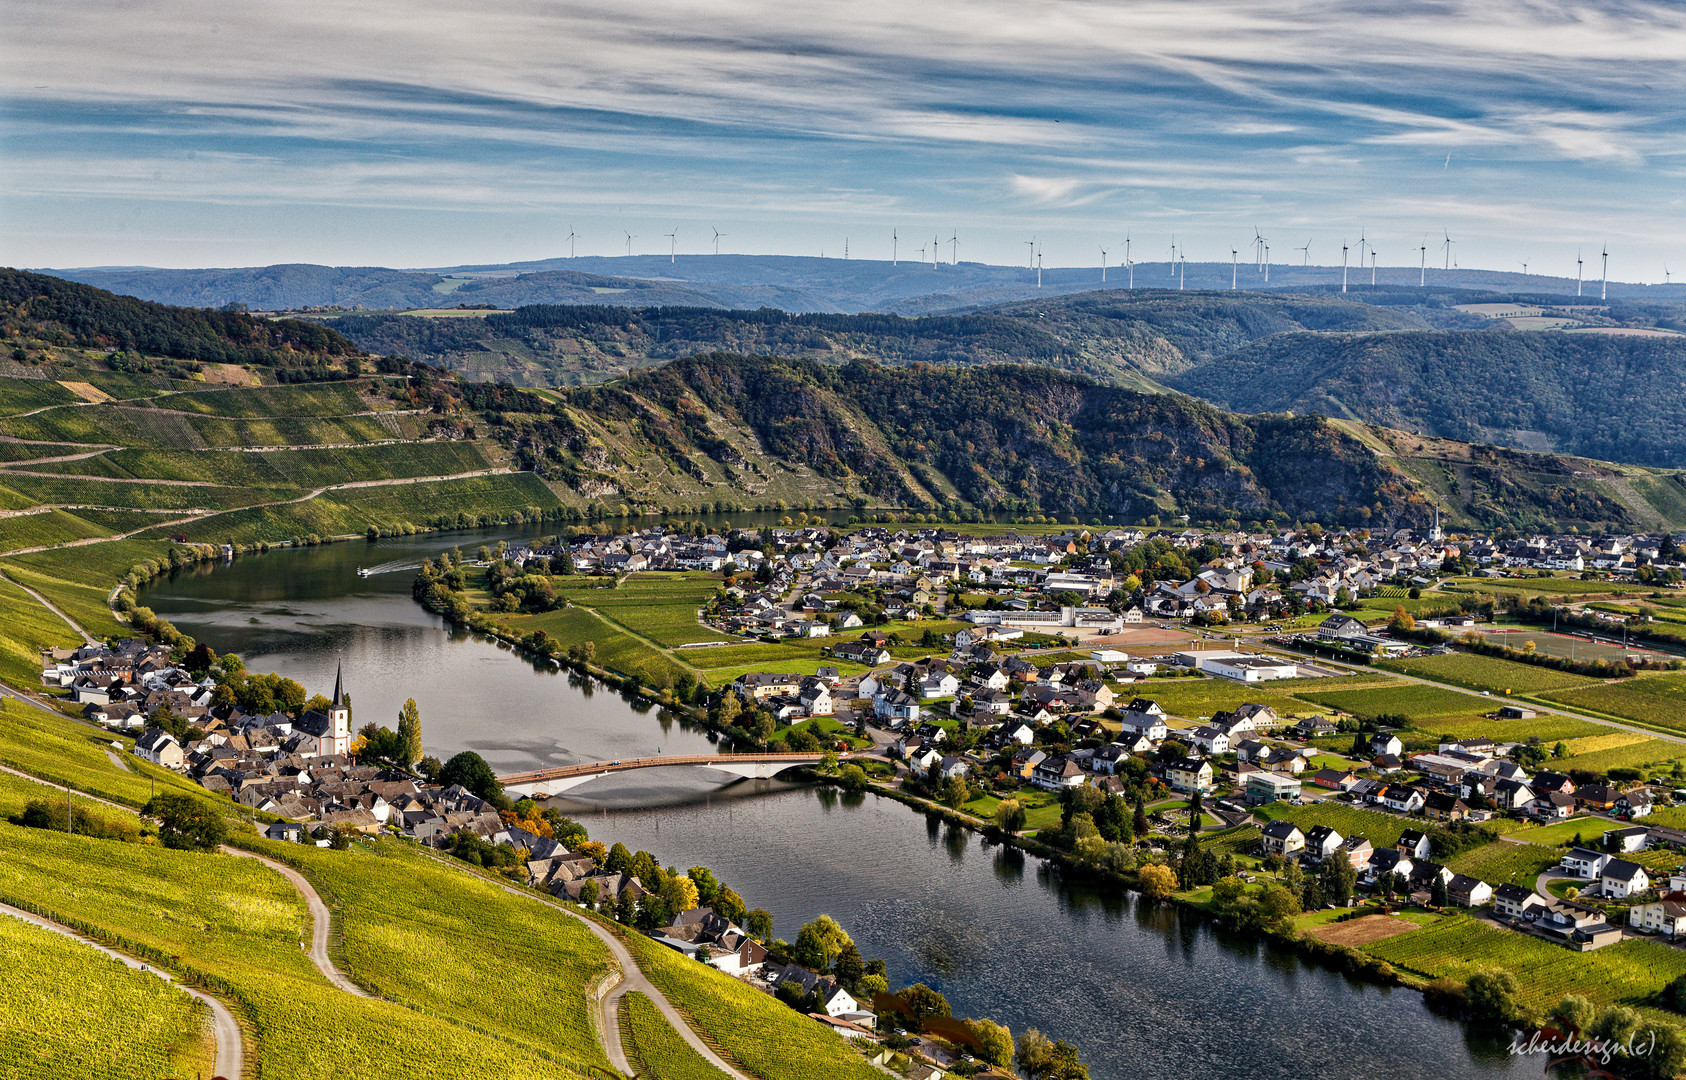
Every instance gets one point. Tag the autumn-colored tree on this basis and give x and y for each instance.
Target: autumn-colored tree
(1157, 882)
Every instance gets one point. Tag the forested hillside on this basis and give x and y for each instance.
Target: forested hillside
(42, 310)
(1591, 394)
(1115, 335)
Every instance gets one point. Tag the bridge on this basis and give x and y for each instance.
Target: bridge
(542, 783)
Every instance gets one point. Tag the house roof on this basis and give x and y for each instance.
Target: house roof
(1622, 870)
(1281, 830)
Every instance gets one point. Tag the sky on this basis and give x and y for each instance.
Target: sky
(425, 133)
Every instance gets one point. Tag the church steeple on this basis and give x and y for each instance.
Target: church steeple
(339, 693)
(339, 717)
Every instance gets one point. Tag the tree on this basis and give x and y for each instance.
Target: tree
(759, 924)
(409, 748)
(680, 893)
(1575, 1013)
(1138, 822)
(707, 886)
(1040, 1059)
(1010, 815)
(921, 1004)
(849, 967)
(1401, 620)
(619, 859)
(589, 892)
(186, 823)
(626, 908)
(1278, 904)
(993, 1041)
(819, 942)
(1491, 995)
(471, 771)
(729, 906)
(1337, 878)
(1437, 895)
(1157, 882)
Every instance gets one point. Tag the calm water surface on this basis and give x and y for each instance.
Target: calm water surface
(1144, 991)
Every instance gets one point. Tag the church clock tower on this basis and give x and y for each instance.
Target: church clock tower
(339, 717)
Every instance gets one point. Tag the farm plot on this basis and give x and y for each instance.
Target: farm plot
(660, 607)
(1637, 755)
(57, 991)
(1545, 728)
(1365, 930)
(1628, 973)
(1502, 863)
(1486, 673)
(318, 399)
(655, 1049)
(1380, 828)
(23, 395)
(51, 527)
(1410, 700)
(1658, 699)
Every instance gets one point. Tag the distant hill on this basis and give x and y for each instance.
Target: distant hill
(1591, 394)
(54, 311)
(790, 283)
(1115, 335)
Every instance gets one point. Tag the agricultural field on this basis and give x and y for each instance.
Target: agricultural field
(616, 649)
(11, 452)
(1201, 697)
(1627, 973)
(1641, 754)
(25, 629)
(282, 468)
(304, 399)
(1412, 700)
(1486, 673)
(97, 491)
(1563, 833)
(771, 1040)
(659, 606)
(51, 527)
(440, 941)
(24, 395)
(130, 425)
(1380, 828)
(1548, 729)
(57, 991)
(654, 1048)
(1656, 699)
(1499, 863)
(237, 921)
(82, 601)
(1546, 586)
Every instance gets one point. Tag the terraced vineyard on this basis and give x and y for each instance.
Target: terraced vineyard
(655, 1049)
(1658, 699)
(58, 991)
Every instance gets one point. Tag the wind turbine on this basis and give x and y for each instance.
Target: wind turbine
(954, 249)
(672, 244)
(1578, 262)
(1361, 245)
(1666, 279)
(1448, 246)
(1038, 268)
(717, 235)
(921, 252)
(1103, 265)
(1343, 267)
(1131, 263)
(1524, 267)
(1234, 267)
(1305, 253)
(572, 236)
(1372, 264)
(1258, 249)
(894, 240)
(936, 251)
(1181, 264)
(628, 242)
(1604, 289)
(1032, 243)
(1173, 254)
(1267, 264)
(845, 249)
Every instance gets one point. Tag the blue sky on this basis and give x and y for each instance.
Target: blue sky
(418, 132)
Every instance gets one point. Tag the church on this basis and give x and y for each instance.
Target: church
(331, 731)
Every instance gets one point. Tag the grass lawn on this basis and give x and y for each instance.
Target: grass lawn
(1562, 833)
(1381, 829)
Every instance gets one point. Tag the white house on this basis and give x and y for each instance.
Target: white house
(1658, 917)
(938, 684)
(1584, 863)
(1516, 901)
(1621, 878)
(1283, 838)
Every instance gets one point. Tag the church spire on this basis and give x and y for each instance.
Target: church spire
(339, 694)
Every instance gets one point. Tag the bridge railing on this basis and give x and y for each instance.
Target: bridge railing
(622, 765)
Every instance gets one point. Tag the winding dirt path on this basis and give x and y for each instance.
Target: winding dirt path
(49, 605)
(225, 1032)
(319, 918)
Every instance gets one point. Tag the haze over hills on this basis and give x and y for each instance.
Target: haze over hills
(790, 283)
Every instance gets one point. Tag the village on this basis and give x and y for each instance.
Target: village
(1076, 680)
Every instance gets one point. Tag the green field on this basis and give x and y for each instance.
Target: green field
(239, 923)
(58, 992)
(1486, 673)
(1563, 833)
(1500, 863)
(245, 402)
(282, 468)
(1410, 700)
(1635, 755)
(1547, 729)
(25, 629)
(97, 491)
(1560, 586)
(745, 1025)
(1380, 828)
(659, 606)
(1627, 973)
(24, 395)
(75, 596)
(428, 936)
(654, 1048)
(1658, 699)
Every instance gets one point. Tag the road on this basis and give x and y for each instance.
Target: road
(230, 1051)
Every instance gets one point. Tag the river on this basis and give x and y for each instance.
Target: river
(1144, 991)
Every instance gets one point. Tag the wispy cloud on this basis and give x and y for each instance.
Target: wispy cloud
(802, 121)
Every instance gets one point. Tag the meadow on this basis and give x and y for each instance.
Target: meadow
(57, 991)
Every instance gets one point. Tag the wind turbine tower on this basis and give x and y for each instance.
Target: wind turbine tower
(1448, 246)
(1578, 265)
(954, 249)
(1343, 268)
(1604, 289)
(572, 236)
(1103, 266)
(1372, 264)
(717, 235)
(1038, 268)
(1305, 253)
(1181, 265)
(1234, 267)
(1422, 266)
(673, 245)
(1267, 264)
(1032, 244)
(936, 251)
(894, 240)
